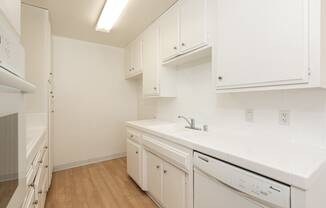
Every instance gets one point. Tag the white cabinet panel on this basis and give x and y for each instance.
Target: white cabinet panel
(193, 33)
(261, 43)
(11, 11)
(154, 176)
(174, 187)
(150, 62)
(133, 58)
(169, 34)
(133, 161)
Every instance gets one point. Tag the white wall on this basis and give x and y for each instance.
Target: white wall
(92, 101)
(11, 11)
(196, 98)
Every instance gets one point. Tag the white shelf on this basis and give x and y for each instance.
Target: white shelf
(10, 80)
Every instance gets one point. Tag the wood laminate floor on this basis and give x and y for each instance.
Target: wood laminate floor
(101, 185)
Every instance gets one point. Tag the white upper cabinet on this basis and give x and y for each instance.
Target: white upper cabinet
(183, 28)
(158, 81)
(151, 85)
(133, 58)
(193, 33)
(169, 34)
(263, 44)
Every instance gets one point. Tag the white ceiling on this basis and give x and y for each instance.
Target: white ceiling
(77, 19)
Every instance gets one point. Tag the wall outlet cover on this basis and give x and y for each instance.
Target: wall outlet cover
(284, 117)
(249, 115)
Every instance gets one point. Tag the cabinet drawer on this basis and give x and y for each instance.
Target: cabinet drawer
(134, 135)
(41, 176)
(169, 153)
(29, 200)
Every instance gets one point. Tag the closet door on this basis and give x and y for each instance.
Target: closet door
(261, 42)
(193, 32)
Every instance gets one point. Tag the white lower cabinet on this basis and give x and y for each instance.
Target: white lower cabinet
(166, 183)
(134, 161)
(174, 186)
(154, 176)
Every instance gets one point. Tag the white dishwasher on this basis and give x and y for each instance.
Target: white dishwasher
(218, 184)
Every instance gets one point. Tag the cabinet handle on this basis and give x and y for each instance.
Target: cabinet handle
(157, 166)
(155, 88)
(40, 192)
(46, 147)
(35, 202)
(136, 152)
(31, 185)
(41, 161)
(175, 47)
(220, 78)
(131, 136)
(46, 166)
(183, 44)
(165, 171)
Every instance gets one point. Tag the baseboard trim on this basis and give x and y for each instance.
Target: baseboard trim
(87, 162)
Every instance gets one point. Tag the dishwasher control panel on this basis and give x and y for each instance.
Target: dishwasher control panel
(251, 185)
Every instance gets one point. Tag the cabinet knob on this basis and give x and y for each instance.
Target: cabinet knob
(155, 88)
(131, 136)
(175, 47)
(157, 166)
(136, 152)
(41, 161)
(220, 78)
(183, 44)
(46, 147)
(40, 192)
(31, 185)
(46, 166)
(35, 202)
(165, 171)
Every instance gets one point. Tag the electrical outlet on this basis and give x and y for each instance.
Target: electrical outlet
(249, 115)
(284, 117)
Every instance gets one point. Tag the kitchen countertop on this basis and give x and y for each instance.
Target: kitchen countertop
(283, 160)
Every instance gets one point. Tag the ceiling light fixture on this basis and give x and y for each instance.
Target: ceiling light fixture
(110, 14)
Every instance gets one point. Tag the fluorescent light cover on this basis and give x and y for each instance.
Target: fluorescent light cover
(110, 14)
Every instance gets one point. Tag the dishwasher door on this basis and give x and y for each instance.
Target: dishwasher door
(211, 193)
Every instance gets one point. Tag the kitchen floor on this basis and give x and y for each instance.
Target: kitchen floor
(104, 184)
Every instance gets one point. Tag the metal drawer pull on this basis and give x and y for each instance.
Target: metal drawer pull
(157, 166)
(35, 202)
(40, 192)
(46, 166)
(136, 152)
(203, 158)
(165, 171)
(46, 147)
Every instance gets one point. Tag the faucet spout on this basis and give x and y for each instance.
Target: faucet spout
(191, 123)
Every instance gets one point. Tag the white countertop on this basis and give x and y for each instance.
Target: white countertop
(289, 162)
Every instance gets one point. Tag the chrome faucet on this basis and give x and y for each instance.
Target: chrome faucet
(191, 122)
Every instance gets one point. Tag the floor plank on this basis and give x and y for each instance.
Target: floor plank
(101, 185)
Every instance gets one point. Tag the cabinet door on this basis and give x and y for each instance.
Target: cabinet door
(133, 160)
(261, 42)
(193, 32)
(136, 51)
(128, 60)
(154, 176)
(169, 34)
(150, 62)
(174, 187)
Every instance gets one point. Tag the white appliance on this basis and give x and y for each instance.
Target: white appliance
(223, 185)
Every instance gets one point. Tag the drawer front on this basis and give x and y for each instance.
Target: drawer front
(29, 200)
(134, 135)
(167, 152)
(41, 175)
